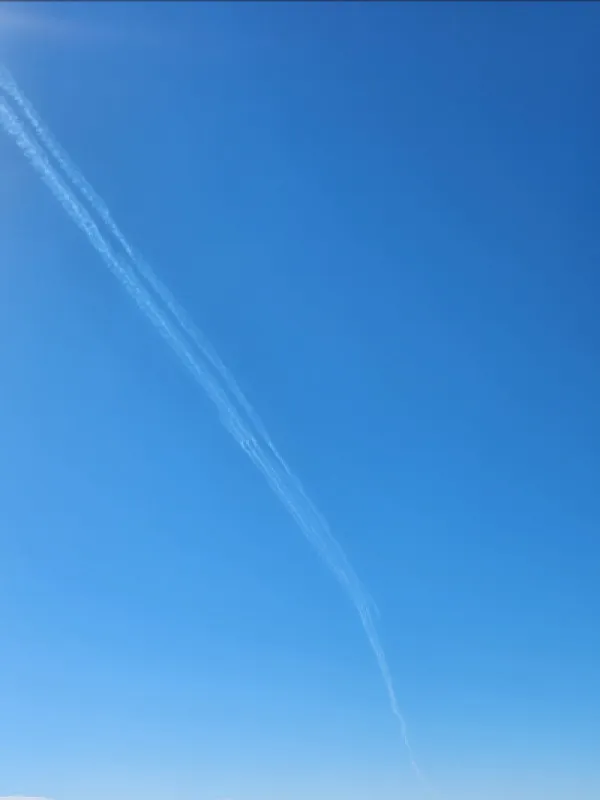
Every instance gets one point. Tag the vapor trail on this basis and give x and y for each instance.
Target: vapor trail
(9, 85)
(196, 355)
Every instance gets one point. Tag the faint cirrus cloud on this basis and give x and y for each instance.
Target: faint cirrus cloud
(22, 797)
(74, 24)
(34, 20)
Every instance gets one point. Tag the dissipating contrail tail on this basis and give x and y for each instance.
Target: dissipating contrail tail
(195, 353)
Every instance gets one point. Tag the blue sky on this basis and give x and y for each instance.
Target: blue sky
(384, 217)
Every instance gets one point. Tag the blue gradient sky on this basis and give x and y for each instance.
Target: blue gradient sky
(385, 217)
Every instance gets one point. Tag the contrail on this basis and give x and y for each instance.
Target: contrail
(195, 353)
(8, 83)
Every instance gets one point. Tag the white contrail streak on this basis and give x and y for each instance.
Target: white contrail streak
(194, 352)
(8, 83)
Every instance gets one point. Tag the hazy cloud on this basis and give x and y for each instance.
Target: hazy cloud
(21, 797)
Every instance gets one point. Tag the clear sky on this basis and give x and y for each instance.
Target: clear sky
(385, 217)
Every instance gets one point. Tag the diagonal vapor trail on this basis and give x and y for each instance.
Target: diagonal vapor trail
(195, 353)
(9, 85)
